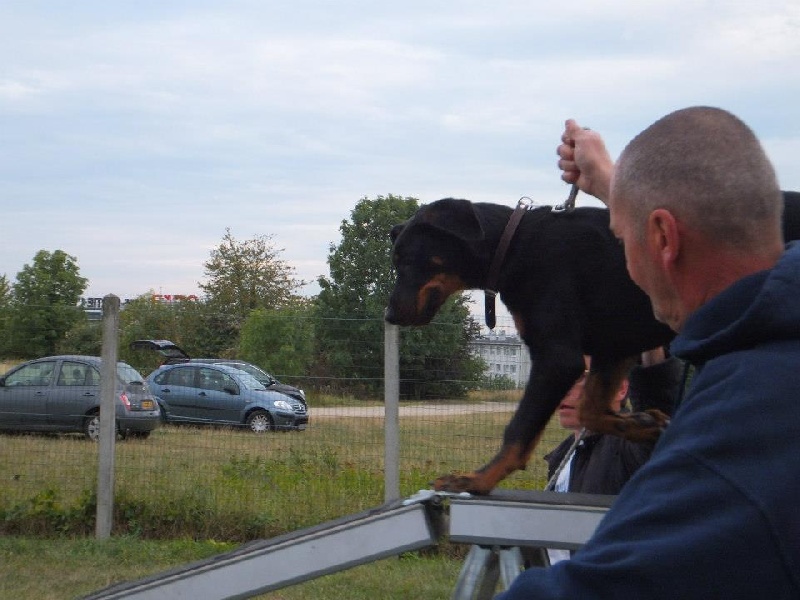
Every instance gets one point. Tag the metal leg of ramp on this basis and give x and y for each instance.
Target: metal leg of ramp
(483, 568)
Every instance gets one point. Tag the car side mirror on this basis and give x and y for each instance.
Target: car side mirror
(2, 382)
(231, 390)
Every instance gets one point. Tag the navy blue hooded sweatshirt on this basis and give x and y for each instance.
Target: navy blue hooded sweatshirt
(715, 513)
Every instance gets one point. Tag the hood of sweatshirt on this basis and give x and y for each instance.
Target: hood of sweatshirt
(764, 306)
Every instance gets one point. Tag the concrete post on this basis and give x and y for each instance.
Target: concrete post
(391, 398)
(108, 420)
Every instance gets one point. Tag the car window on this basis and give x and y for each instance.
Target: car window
(183, 376)
(74, 373)
(250, 382)
(93, 377)
(40, 373)
(254, 371)
(128, 374)
(211, 379)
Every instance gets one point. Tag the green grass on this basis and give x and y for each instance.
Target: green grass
(232, 485)
(44, 569)
(474, 396)
(58, 569)
(185, 487)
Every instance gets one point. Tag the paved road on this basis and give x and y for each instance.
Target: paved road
(413, 410)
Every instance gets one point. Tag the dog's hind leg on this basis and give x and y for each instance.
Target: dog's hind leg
(602, 383)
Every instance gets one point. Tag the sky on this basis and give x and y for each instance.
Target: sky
(132, 134)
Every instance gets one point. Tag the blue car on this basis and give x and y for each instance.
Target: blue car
(202, 393)
(173, 354)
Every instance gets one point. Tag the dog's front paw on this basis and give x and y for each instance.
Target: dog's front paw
(462, 482)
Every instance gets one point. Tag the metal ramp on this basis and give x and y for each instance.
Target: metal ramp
(496, 525)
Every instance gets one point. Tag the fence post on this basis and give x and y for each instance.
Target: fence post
(391, 423)
(108, 421)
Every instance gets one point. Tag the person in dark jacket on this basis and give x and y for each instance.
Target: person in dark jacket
(714, 512)
(593, 463)
(602, 464)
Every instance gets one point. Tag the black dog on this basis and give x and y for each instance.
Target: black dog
(564, 281)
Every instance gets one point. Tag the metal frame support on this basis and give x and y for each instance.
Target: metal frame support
(509, 529)
(483, 568)
(528, 519)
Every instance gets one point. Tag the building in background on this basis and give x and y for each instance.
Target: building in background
(93, 307)
(505, 355)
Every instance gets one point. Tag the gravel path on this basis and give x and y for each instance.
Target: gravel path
(413, 410)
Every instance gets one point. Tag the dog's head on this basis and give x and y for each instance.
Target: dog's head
(431, 255)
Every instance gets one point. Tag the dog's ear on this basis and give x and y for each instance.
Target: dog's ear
(457, 217)
(396, 230)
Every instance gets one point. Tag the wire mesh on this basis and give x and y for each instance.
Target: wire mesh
(226, 482)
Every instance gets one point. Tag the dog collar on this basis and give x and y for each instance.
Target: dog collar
(490, 291)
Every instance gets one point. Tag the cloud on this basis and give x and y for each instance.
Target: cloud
(138, 131)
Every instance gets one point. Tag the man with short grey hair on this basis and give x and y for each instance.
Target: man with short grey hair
(713, 514)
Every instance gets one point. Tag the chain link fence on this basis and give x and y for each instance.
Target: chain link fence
(227, 482)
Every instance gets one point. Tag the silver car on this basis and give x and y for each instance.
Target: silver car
(62, 394)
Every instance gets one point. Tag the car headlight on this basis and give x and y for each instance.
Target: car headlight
(282, 405)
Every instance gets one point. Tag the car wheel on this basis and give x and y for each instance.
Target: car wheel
(259, 421)
(91, 426)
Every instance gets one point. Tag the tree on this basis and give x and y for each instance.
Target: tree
(205, 331)
(5, 314)
(280, 341)
(5, 292)
(195, 326)
(244, 276)
(45, 304)
(434, 360)
(84, 337)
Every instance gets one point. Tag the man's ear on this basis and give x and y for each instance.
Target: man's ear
(662, 236)
(622, 393)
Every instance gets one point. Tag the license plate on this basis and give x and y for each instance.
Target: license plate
(147, 405)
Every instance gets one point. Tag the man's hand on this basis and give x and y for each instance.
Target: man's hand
(584, 160)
